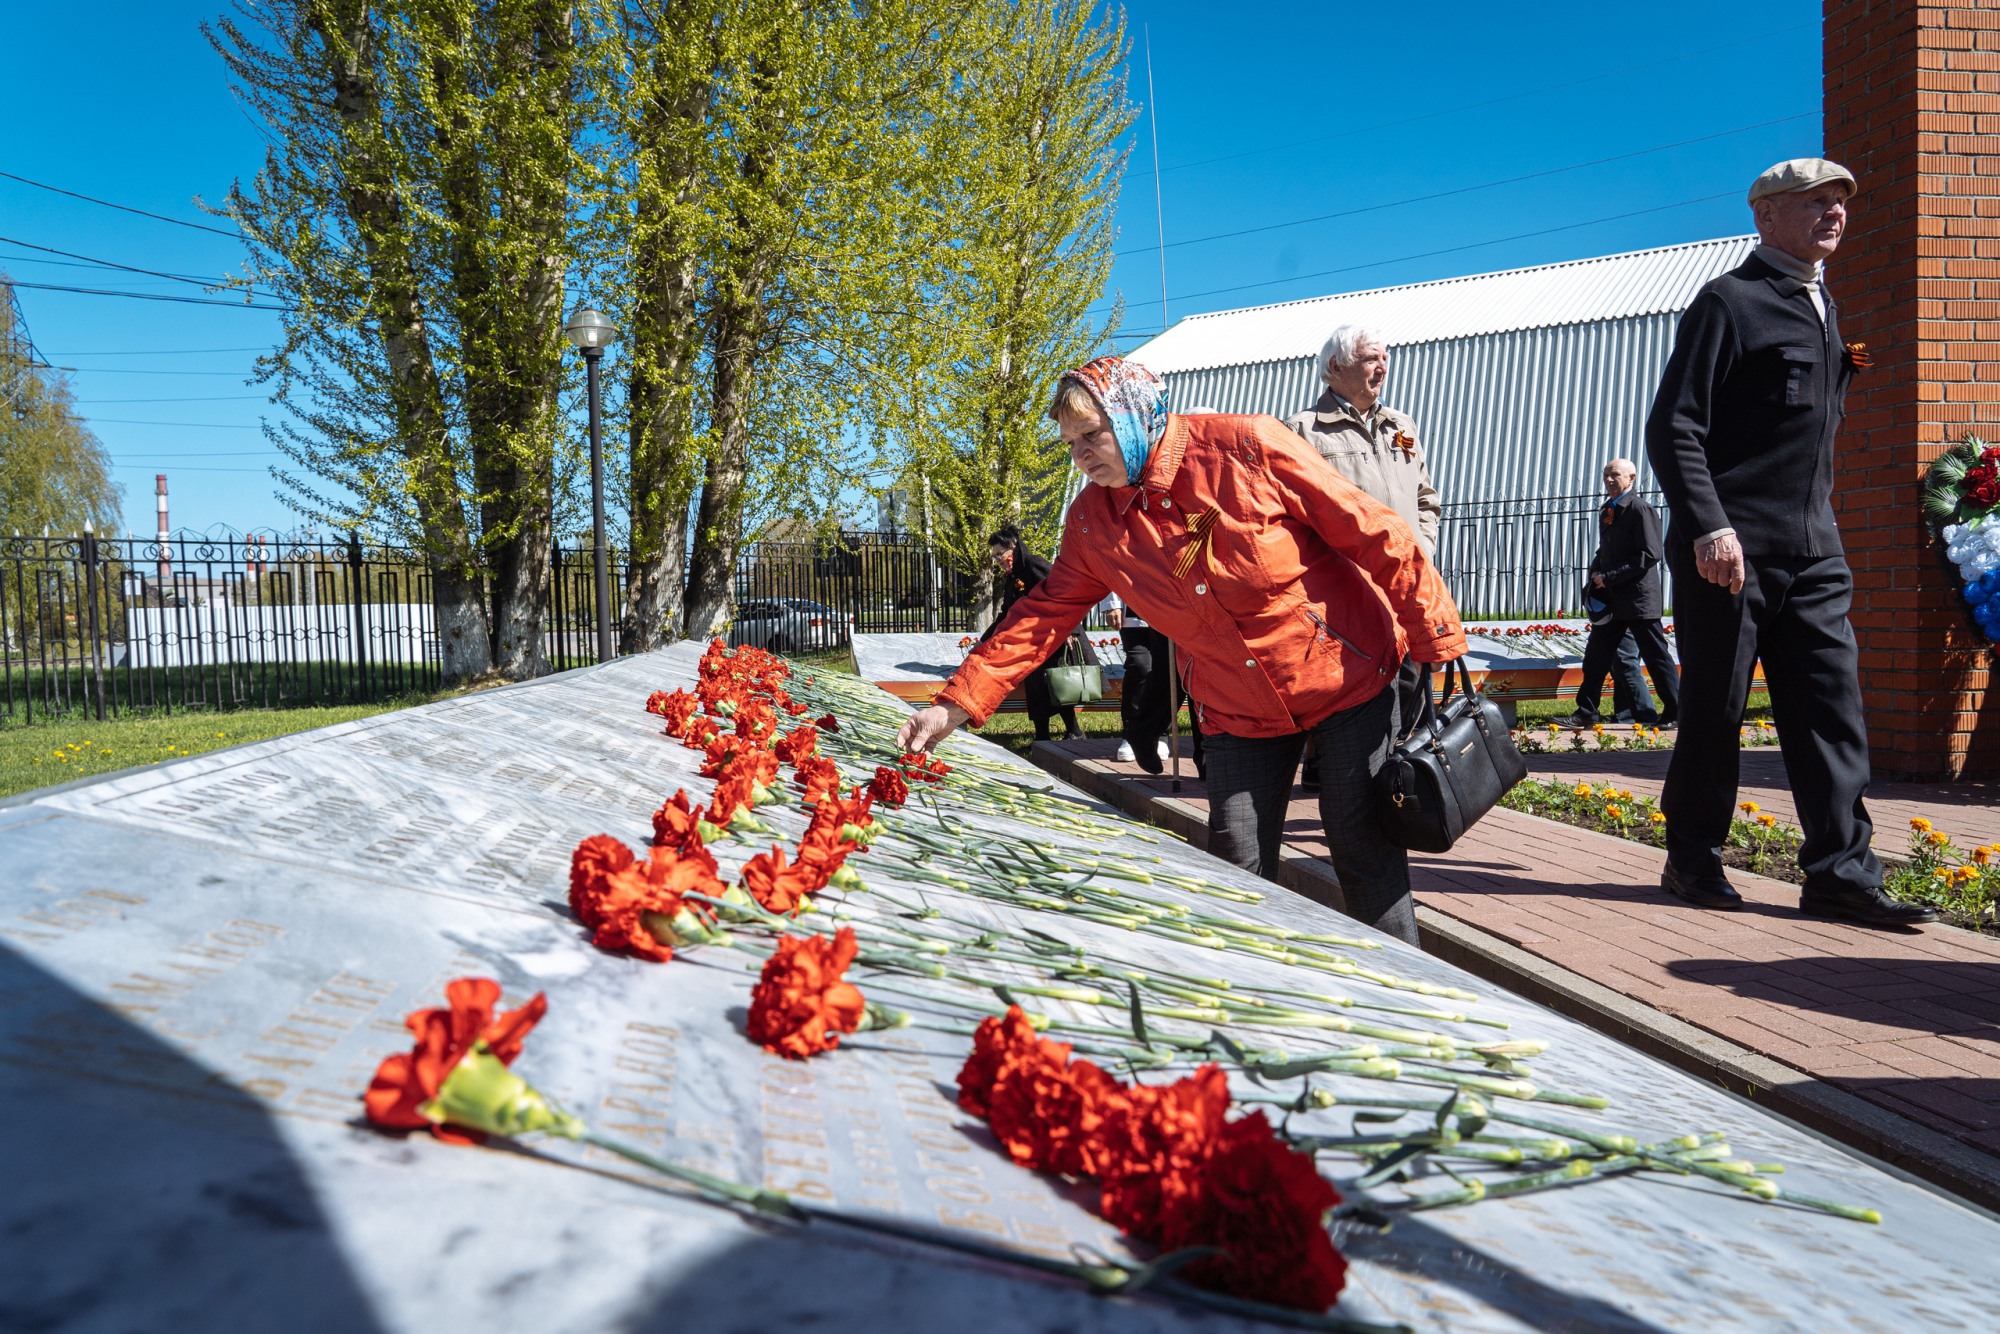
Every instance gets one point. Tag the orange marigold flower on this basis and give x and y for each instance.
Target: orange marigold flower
(1748, 807)
(1263, 1204)
(1657, 818)
(800, 743)
(1982, 856)
(889, 787)
(802, 1003)
(407, 1080)
(1614, 813)
(780, 888)
(1920, 824)
(1937, 838)
(1767, 820)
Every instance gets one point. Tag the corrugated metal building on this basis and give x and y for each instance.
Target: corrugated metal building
(1522, 384)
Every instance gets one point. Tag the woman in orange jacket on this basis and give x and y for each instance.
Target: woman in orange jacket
(1292, 596)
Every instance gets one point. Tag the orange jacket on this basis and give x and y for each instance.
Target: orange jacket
(1296, 595)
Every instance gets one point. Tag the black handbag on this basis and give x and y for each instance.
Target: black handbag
(1450, 769)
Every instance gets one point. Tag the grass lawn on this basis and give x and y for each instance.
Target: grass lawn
(60, 752)
(1555, 710)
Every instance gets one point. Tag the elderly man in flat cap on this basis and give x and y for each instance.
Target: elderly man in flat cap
(1741, 438)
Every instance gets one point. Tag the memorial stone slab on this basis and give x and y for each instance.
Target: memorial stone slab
(202, 963)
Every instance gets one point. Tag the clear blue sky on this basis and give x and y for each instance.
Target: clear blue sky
(1268, 113)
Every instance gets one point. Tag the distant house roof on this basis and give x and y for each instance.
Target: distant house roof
(1579, 291)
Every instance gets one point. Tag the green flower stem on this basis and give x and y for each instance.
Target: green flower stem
(1602, 1142)
(777, 1204)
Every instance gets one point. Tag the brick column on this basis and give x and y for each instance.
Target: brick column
(1913, 109)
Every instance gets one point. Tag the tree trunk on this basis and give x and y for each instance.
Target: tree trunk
(458, 602)
(719, 525)
(666, 336)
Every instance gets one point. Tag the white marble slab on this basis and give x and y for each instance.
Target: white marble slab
(201, 963)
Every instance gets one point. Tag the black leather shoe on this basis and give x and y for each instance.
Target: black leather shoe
(1705, 891)
(1868, 907)
(1146, 754)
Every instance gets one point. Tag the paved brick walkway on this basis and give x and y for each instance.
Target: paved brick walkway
(1908, 1020)
(1969, 812)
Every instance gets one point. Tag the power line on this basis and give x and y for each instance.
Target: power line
(161, 352)
(151, 296)
(206, 426)
(123, 208)
(129, 268)
(127, 370)
(208, 454)
(1448, 250)
(1489, 102)
(197, 398)
(184, 467)
(1470, 189)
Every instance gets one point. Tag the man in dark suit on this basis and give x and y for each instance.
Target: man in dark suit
(1741, 438)
(1625, 588)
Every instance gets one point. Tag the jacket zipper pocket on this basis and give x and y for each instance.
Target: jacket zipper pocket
(1329, 631)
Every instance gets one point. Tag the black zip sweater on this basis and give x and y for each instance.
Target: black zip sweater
(1741, 431)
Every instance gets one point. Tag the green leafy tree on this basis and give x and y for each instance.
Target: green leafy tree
(54, 474)
(1037, 147)
(416, 210)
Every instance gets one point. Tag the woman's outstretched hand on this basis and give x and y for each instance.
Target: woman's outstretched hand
(927, 727)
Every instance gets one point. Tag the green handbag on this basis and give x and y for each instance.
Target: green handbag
(1075, 681)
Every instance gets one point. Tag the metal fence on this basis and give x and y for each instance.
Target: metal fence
(1512, 559)
(109, 625)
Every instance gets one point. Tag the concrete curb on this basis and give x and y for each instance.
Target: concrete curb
(1899, 1143)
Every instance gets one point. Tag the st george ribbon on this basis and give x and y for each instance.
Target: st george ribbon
(202, 964)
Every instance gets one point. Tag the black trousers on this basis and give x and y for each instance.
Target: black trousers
(1142, 708)
(1601, 654)
(1792, 614)
(1042, 706)
(1250, 787)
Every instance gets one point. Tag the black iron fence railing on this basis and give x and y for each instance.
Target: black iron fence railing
(1508, 559)
(111, 625)
(100, 626)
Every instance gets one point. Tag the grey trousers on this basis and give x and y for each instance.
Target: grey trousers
(1250, 787)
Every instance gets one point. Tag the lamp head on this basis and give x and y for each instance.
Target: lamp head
(589, 330)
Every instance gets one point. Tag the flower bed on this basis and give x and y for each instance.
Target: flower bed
(1964, 887)
(1550, 738)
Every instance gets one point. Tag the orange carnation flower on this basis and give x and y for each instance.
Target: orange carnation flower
(818, 777)
(407, 1080)
(591, 865)
(796, 745)
(1151, 1147)
(616, 903)
(676, 708)
(674, 827)
(732, 794)
(889, 787)
(802, 1003)
(1046, 1110)
(778, 887)
(1263, 1204)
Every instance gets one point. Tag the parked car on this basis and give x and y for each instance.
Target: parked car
(790, 625)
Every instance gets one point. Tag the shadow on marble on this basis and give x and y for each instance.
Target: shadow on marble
(145, 1191)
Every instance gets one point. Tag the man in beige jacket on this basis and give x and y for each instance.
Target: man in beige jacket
(1372, 446)
(1377, 449)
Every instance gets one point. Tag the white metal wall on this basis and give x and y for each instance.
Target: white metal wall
(1519, 415)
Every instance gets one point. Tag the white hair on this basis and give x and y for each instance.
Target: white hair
(1343, 345)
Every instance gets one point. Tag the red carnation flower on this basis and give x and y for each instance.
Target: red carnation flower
(889, 787)
(803, 1003)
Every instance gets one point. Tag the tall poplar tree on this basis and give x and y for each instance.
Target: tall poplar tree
(416, 211)
(1040, 158)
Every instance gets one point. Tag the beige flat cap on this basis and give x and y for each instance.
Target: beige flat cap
(1801, 173)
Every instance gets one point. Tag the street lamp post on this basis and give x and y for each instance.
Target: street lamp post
(592, 333)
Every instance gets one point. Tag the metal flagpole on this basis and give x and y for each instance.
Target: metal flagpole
(1160, 221)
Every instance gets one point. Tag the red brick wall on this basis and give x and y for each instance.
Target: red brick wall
(1913, 109)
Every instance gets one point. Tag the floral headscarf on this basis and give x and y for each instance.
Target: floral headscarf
(1134, 399)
